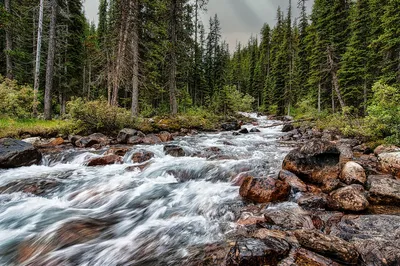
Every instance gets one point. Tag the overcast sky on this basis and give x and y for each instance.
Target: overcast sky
(239, 18)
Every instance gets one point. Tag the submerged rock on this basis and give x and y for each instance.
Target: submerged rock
(264, 190)
(142, 156)
(327, 245)
(15, 153)
(255, 252)
(174, 150)
(255, 130)
(32, 186)
(316, 162)
(244, 131)
(350, 198)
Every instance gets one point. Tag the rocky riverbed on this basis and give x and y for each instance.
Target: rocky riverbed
(249, 195)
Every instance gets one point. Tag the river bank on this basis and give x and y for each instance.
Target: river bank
(194, 198)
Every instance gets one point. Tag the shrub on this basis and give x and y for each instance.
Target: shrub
(15, 100)
(98, 115)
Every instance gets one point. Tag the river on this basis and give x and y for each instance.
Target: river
(154, 216)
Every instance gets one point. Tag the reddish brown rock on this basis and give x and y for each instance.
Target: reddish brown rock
(384, 191)
(386, 149)
(165, 136)
(174, 150)
(389, 163)
(32, 186)
(251, 220)
(353, 173)
(142, 156)
(264, 190)
(288, 217)
(313, 201)
(327, 245)
(105, 160)
(305, 257)
(120, 151)
(56, 142)
(295, 182)
(151, 139)
(350, 198)
(91, 140)
(315, 162)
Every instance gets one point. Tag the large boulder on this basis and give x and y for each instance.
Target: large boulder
(151, 139)
(295, 183)
(353, 173)
(288, 217)
(91, 140)
(316, 162)
(327, 245)
(255, 252)
(125, 134)
(389, 163)
(350, 198)
(264, 190)
(384, 190)
(15, 153)
(165, 136)
(376, 237)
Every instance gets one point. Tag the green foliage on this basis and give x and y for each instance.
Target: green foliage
(98, 115)
(15, 100)
(383, 118)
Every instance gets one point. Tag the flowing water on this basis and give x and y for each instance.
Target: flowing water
(150, 217)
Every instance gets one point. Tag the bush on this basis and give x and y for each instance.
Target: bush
(99, 116)
(15, 100)
(383, 120)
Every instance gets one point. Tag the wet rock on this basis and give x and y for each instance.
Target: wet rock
(330, 185)
(316, 161)
(244, 131)
(236, 134)
(386, 149)
(35, 187)
(125, 134)
(313, 201)
(174, 150)
(287, 128)
(71, 233)
(309, 258)
(255, 252)
(92, 140)
(139, 167)
(327, 245)
(288, 217)
(165, 136)
(56, 142)
(295, 183)
(230, 126)
(250, 220)
(353, 173)
(389, 163)
(142, 156)
(151, 139)
(15, 153)
(104, 160)
(376, 237)
(384, 191)
(255, 130)
(35, 141)
(350, 198)
(264, 190)
(120, 151)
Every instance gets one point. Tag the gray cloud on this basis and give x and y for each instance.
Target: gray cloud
(239, 18)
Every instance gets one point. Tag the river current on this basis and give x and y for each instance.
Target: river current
(154, 216)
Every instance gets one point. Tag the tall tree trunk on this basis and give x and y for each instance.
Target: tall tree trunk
(335, 80)
(135, 67)
(8, 49)
(90, 80)
(173, 67)
(50, 60)
(109, 80)
(37, 61)
(319, 97)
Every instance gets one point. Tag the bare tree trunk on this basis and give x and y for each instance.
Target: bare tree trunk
(335, 80)
(109, 84)
(63, 103)
(135, 69)
(8, 49)
(50, 61)
(319, 97)
(172, 72)
(37, 62)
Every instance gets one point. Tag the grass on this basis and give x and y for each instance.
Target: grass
(19, 128)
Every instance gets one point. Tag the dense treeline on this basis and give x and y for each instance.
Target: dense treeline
(155, 57)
